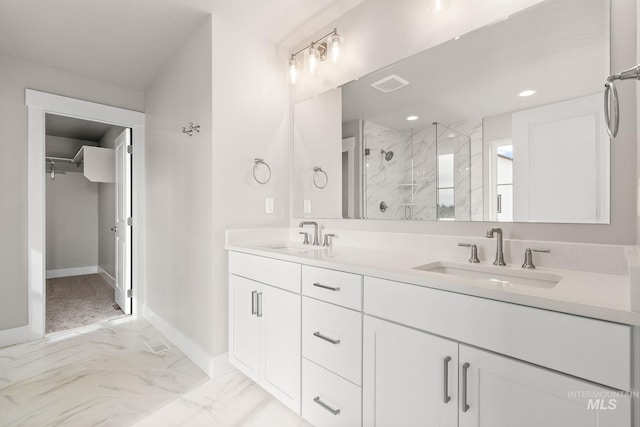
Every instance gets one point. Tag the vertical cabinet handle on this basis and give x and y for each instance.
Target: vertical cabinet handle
(254, 297)
(325, 406)
(499, 203)
(465, 370)
(447, 398)
(259, 310)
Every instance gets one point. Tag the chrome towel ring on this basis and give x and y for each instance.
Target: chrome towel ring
(317, 175)
(611, 104)
(261, 164)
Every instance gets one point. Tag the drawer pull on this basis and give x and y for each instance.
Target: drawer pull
(325, 406)
(254, 297)
(447, 398)
(326, 338)
(465, 404)
(331, 288)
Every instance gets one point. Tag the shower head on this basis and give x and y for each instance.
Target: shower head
(388, 155)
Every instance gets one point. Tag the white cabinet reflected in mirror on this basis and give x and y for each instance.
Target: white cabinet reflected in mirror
(502, 124)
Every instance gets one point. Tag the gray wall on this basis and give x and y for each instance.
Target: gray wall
(107, 212)
(396, 45)
(16, 76)
(72, 221)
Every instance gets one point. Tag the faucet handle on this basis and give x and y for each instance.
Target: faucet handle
(474, 252)
(306, 237)
(528, 257)
(328, 239)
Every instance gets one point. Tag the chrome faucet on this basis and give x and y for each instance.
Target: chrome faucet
(316, 239)
(499, 253)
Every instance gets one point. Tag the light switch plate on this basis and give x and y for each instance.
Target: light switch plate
(268, 205)
(307, 206)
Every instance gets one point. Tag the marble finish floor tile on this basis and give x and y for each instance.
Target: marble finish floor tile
(106, 375)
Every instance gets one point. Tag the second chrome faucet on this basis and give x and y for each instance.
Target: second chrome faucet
(499, 251)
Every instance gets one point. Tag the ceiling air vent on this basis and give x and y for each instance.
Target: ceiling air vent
(389, 84)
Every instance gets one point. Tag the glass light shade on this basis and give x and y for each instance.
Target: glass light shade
(293, 70)
(442, 4)
(313, 57)
(335, 43)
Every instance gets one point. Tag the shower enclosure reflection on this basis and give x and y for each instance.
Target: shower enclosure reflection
(424, 173)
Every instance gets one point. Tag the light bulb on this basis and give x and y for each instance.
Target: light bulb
(335, 46)
(442, 4)
(313, 56)
(293, 70)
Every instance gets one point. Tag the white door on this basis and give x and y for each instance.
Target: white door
(503, 392)
(123, 230)
(409, 377)
(281, 342)
(561, 163)
(244, 325)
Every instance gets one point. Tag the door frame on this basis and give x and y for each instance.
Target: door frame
(38, 105)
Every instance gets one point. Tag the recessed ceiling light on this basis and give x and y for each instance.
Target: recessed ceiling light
(451, 135)
(412, 118)
(527, 92)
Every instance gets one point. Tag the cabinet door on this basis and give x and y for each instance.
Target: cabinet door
(279, 313)
(503, 392)
(244, 325)
(409, 377)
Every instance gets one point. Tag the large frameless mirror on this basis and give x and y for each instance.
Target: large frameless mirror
(504, 123)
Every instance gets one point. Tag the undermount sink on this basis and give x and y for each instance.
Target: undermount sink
(497, 275)
(293, 247)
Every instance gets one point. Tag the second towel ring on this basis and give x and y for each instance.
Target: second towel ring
(317, 170)
(257, 164)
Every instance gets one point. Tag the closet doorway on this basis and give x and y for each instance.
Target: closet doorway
(87, 222)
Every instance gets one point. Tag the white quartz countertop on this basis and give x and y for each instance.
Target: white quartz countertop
(594, 295)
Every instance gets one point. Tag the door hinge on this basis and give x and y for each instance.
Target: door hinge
(129, 221)
(129, 293)
(129, 149)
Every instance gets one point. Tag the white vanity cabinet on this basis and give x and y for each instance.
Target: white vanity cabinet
(331, 347)
(264, 327)
(493, 390)
(503, 392)
(410, 377)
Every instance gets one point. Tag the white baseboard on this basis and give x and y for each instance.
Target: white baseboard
(107, 277)
(68, 272)
(213, 366)
(14, 336)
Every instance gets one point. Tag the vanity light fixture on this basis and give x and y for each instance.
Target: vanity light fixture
(315, 52)
(412, 118)
(527, 92)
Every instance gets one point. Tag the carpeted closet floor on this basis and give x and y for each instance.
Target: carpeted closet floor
(78, 301)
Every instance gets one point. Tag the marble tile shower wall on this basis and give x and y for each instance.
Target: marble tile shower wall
(407, 183)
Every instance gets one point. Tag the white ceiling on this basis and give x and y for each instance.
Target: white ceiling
(558, 48)
(128, 41)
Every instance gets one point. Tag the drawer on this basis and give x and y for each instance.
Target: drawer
(595, 350)
(333, 286)
(322, 325)
(281, 274)
(324, 394)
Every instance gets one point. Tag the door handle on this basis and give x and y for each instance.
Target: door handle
(447, 398)
(465, 403)
(254, 295)
(259, 309)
